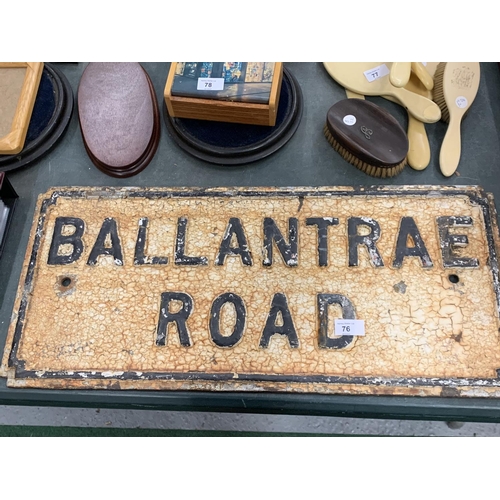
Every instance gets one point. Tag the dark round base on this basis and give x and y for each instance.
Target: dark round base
(232, 144)
(49, 120)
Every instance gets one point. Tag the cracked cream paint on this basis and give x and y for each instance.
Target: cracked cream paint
(418, 324)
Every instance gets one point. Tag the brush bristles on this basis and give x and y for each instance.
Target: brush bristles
(438, 92)
(372, 170)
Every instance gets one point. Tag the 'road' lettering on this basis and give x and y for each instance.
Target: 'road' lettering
(324, 300)
(279, 306)
(214, 324)
(179, 318)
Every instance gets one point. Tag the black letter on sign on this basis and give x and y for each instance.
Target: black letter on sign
(289, 252)
(279, 305)
(234, 227)
(74, 239)
(409, 228)
(139, 257)
(239, 306)
(324, 300)
(450, 241)
(179, 318)
(322, 223)
(100, 248)
(180, 258)
(368, 240)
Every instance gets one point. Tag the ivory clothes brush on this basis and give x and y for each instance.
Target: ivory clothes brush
(421, 82)
(400, 73)
(373, 79)
(455, 88)
(423, 73)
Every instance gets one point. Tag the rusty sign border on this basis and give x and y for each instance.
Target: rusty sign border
(475, 194)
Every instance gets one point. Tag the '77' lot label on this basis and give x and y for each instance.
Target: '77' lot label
(240, 289)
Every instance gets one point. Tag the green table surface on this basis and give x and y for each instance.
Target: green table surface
(307, 160)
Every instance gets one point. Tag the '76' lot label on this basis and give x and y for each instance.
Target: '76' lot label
(385, 291)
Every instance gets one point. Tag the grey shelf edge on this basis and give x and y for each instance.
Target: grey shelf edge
(386, 407)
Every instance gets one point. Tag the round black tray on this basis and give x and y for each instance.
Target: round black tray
(49, 120)
(231, 144)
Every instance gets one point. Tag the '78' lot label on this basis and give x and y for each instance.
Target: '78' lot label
(246, 289)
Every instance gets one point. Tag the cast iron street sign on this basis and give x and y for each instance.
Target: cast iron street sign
(241, 289)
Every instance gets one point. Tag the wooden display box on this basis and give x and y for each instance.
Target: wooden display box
(250, 92)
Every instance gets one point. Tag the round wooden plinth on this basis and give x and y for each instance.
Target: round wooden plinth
(232, 144)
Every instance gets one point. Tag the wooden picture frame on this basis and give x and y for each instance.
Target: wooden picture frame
(13, 141)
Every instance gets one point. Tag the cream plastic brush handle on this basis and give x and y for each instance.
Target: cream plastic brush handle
(353, 95)
(423, 75)
(400, 73)
(420, 107)
(419, 153)
(449, 156)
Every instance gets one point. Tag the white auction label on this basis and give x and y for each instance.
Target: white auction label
(350, 327)
(376, 73)
(349, 120)
(210, 84)
(461, 101)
